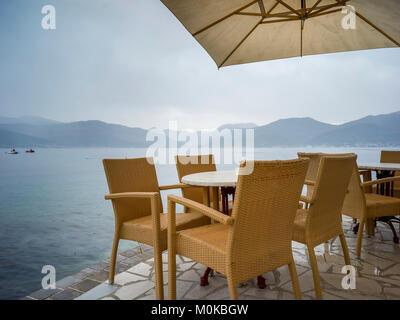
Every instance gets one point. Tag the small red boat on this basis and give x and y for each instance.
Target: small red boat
(30, 151)
(13, 151)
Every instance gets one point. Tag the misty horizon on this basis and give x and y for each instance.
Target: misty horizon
(258, 124)
(101, 63)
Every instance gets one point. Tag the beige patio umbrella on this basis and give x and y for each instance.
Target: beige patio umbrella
(243, 31)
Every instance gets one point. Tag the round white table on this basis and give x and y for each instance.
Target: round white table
(226, 180)
(383, 170)
(380, 166)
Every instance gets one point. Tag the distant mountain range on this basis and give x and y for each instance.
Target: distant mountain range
(380, 130)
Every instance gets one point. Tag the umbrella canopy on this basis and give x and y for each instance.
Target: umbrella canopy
(243, 31)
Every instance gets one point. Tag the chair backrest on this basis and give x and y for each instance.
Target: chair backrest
(331, 184)
(354, 204)
(391, 157)
(264, 210)
(315, 160)
(186, 165)
(131, 175)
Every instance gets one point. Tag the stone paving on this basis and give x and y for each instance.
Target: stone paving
(378, 275)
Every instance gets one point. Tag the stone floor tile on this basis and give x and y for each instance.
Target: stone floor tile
(306, 282)
(126, 277)
(284, 275)
(199, 266)
(368, 286)
(264, 294)
(394, 270)
(132, 291)
(130, 252)
(67, 294)
(119, 267)
(198, 292)
(131, 261)
(85, 285)
(375, 260)
(119, 259)
(66, 282)
(151, 294)
(392, 292)
(351, 295)
(387, 281)
(100, 266)
(99, 276)
(98, 292)
(185, 266)
(190, 275)
(333, 279)
(43, 293)
(165, 277)
(142, 269)
(185, 259)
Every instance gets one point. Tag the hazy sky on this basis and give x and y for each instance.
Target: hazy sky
(131, 62)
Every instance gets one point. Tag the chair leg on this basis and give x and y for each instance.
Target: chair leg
(172, 272)
(295, 279)
(113, 258)
(158, 274)
(233, 293)
(314, 267)
(345, 250)
(359, 237)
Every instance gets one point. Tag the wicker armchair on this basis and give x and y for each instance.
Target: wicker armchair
(186, 165)
(392, 157)
(312, 172)
(359, 204)
(322, 221)
(136, 200)
(256, 238)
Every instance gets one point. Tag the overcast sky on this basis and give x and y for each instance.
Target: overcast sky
(131, 62)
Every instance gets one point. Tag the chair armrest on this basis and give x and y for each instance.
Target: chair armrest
(114, 196)
(306, 199)
(209, 212)
(174, 186)
(379, 181)
(309, 182)
(155, 212)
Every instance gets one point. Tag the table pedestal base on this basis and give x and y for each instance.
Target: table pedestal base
(204, 278)
(261, 283)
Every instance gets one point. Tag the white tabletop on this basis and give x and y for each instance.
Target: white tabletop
(380, 166)
(212, 179)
